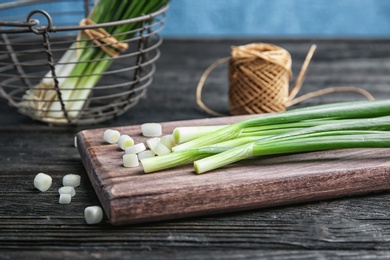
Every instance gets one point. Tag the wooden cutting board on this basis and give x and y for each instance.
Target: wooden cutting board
(130, 196)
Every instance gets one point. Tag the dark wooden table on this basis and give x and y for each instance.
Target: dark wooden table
(33, 224)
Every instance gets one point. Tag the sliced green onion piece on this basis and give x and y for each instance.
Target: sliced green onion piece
(65, 198)
(151, 129)
(136, 148)
(152, 142)
(93, 214)
(161, 149)
(168, 141)
(125, 141)
(71, 180)
(67, 190)
(145, 154)
(130, 160)
(42, 181)
(111, 136)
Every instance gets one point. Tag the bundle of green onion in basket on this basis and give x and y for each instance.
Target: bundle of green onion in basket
(81, 66)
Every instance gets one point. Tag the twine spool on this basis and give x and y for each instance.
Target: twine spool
(259, 76)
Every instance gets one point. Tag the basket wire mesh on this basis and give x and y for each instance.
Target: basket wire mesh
(29, 51)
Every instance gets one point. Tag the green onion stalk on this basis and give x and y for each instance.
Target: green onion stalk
(343, 110)
(308, 144)
(345, 125)
(81, 66)
(187, 133)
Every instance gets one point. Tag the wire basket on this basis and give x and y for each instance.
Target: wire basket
(31, 47)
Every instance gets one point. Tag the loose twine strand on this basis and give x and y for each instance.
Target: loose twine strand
(259, 76)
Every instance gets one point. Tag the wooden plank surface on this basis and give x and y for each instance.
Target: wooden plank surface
(130, 196)
(34, 226)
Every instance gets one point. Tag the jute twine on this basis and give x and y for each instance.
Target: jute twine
(108, 43)
(259, 76)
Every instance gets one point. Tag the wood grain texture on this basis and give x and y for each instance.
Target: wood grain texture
(131, 196)
(34, 226)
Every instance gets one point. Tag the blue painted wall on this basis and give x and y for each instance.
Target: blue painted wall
(234, 18)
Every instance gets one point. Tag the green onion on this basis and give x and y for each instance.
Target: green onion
(346, 110)
(170, 160)
(175, 159)
(187, 133)
(80, 68)
(336, 134)
(343, 141)
(334, 126)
